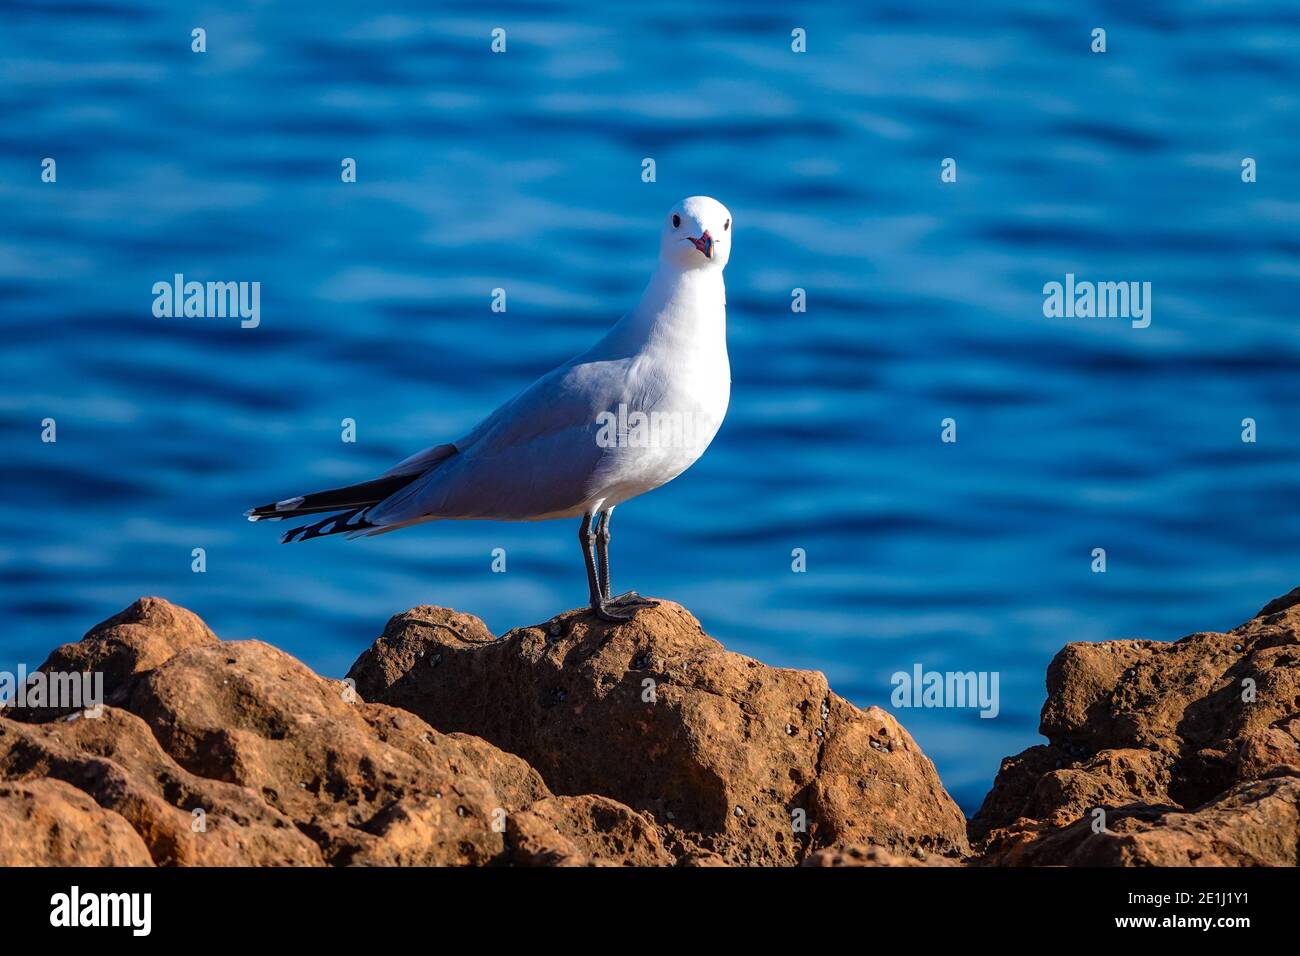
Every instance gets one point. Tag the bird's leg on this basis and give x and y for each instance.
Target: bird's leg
(630, 599)
(586, 539)
(602, 551)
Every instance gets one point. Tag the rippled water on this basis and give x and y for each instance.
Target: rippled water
(522, 171)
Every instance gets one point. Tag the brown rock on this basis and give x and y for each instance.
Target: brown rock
(584, 831)
(1271, 752)
(286, 768)
(148, 633)
(701, 858)
(874, 856)
(1288, 600)
(1112, 778)
(1253, 824)
(721, 750)
(1013, 789)
(249, 714)
(1174, 742)
(116, 761)
(49, 823)
(663, 747)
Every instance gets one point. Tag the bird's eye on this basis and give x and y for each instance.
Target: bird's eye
(677, 220)
(726, 225)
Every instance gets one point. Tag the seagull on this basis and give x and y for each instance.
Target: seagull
(626, 416)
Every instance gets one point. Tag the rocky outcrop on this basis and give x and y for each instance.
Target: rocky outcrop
(232, 752)
(655, 747)
(644, 743)
(1160, 754)
(755, 764)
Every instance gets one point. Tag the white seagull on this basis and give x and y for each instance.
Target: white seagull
(628, 415)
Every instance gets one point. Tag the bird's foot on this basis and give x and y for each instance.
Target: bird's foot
(606, 613)
(621, 608)
(629, 599)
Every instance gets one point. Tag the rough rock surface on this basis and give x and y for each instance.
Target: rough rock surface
(235, 753)
(874, 856)
(582, 831)
(1188, 750)
(756, 764)
(49, 823)
(646, 743)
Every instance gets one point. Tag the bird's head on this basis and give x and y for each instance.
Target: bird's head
(697, 234)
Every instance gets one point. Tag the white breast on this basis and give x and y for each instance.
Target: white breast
(681, 390)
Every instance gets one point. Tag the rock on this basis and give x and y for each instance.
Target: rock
(582, 831)
(145, 635)
(1290, 599)
(247, 713)
(874, 856)
(283, 766)
(701, 858)
(115, 762)
(1271, 752)
(642, 743)
(49, 823)
(755, 764)
(1188, 748)
(1253, 824)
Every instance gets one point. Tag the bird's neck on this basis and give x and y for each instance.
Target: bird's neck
(683, 307)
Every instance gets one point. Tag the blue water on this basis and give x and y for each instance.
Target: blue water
(522, 171)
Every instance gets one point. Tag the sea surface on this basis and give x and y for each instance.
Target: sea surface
(523, 171)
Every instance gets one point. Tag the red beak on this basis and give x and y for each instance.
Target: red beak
(704, 243)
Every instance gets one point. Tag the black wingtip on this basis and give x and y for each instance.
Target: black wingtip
(353, 520)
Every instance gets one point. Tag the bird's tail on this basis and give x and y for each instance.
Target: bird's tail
(349, 521)
(352, 501)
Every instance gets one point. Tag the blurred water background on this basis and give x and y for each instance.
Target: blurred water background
(522, 171)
